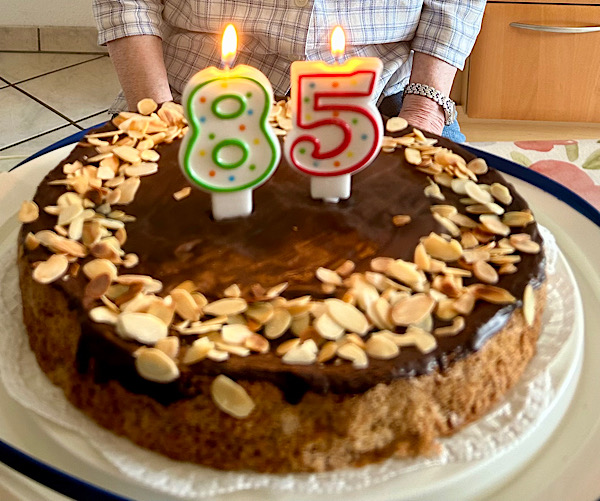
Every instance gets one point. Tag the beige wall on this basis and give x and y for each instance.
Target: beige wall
(46, 13)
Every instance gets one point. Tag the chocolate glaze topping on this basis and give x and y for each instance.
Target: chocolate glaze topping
(286, 238)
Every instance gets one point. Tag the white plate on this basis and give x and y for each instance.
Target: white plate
(568, 458)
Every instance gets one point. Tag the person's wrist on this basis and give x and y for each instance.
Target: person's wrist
(422, 112)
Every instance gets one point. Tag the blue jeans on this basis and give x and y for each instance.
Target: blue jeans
(390, 106)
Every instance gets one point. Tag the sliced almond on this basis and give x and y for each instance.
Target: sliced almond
(96, 267)
(51, 270)
(235, 334)
(155, 365)
(381, 347)
(31, 243)
(412, 309)
(433, 191)
(478, 166)
(517, 218)
(421, 258)
(413, 156)
(501, 193)
(507, 269)
(279, 323)
(492, 294)
(381, 264)
(28, 212)
(97, 287)
(68, 214)
(526, 246)
(355, 354)
(128, 189)
(479, 195)
(492, 224)
(415, 336)
(443, 210)
(103, 315)
(327, 352)
(407, 273)
(231, 397)
(141, 327)
(346, 268)
(76, 229)
(128, 154)
(328, 276)
(151, 156)
(227, 306)
(260, 311)
(396, 124)
(217, 355)
(328, 328)
(276, 290)
(380, 313)
(298, 305)
(348, 316)
(286, 346)
(146, 106)
(302, 354)
(198, 350)
(463, 221)
(448, 225)
(257, 343)
(232, 291)
(445, 309)
(439, 248)
(240, 351)
(458, 325)
(464, 304)
(459, 186)
(182, 193)
(161, 309)
(491, 208)
(485, 272)
(169, 346)
(401, 220)
(529, 305)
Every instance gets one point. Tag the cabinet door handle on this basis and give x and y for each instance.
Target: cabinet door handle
(556, 29)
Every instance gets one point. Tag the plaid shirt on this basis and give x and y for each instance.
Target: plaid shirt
(274, 33)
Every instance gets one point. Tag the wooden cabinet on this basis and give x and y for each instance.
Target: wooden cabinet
(536, 74)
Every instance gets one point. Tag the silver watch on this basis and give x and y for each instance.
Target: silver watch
(446, 103)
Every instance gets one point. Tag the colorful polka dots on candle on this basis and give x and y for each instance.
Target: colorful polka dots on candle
(336, 128)
(235, 148)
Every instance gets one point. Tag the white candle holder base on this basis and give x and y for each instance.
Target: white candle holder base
(231, 204)
(331, 188)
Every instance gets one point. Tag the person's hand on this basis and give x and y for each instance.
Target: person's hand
(423, 113)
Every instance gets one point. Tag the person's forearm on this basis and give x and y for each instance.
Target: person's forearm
(422, 111)
(140, 67)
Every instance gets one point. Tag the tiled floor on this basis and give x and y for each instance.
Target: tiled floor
(45, 97)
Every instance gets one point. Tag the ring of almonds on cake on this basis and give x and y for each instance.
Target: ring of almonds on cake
(360, 318)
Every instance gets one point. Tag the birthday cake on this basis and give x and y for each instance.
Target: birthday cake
(307, 336)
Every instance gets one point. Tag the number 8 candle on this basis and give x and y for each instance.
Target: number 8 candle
(230, 148)
(336, 128)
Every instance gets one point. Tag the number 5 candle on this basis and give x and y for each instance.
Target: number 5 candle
(336, 128)
(230, 148)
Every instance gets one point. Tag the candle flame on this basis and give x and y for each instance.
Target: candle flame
(229, 45)
(338, 42)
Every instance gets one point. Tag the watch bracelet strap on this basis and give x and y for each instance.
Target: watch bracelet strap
(435, 95)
